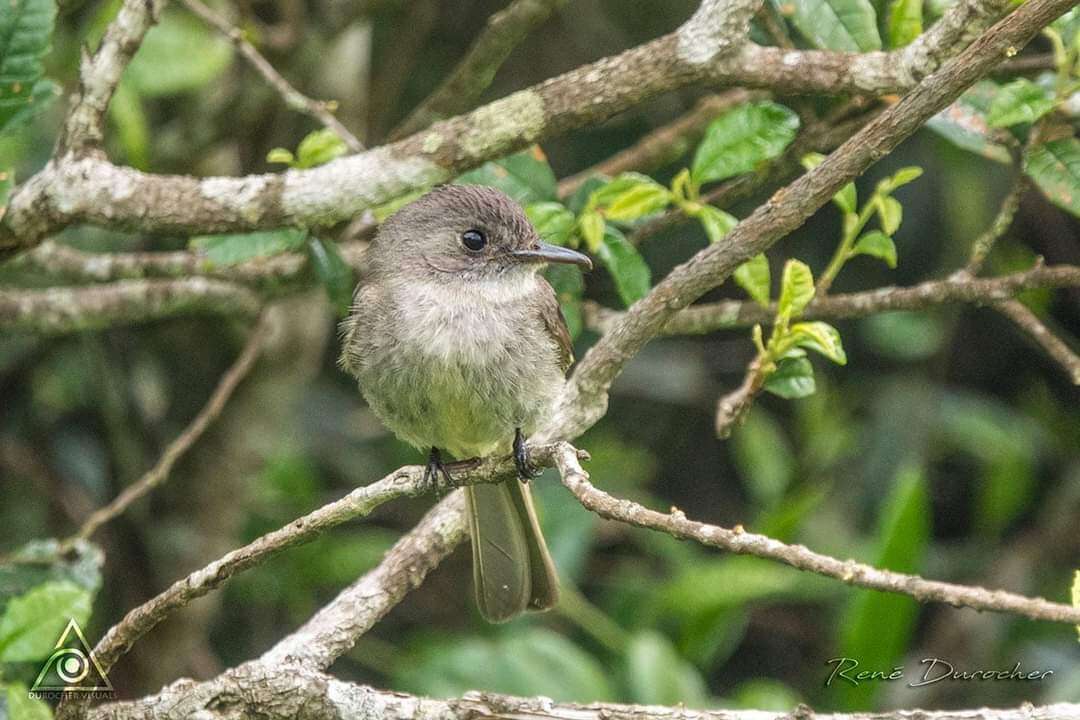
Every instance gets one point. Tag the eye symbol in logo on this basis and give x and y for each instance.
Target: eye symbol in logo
(72, 665)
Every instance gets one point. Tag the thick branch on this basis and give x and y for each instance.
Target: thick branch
(280, 691)
(728, 314)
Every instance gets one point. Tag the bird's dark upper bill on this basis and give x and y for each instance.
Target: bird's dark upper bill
(554, 254)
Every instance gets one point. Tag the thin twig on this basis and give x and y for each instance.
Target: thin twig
(739, 541)
(467, 81)
(1051, 344)
(728, 314)
(732, 407)
(983, 244)
(321, 110)
(183, 442)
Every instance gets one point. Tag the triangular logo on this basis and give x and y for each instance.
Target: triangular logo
(72, 666)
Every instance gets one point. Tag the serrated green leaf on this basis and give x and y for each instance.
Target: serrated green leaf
(591, 226)
(1021, 101)
(524, 176)
(222, 250)
(876, 244)
(905, 21)
(319, 148)
(820, 337)
(796, 289)
(333, 273)
(792, 379)
(849, 25)
(742, 139)
(903, 176)
(753, 277)
(964, 123)
(178, 55)
(552, 221)
(32, 623)
(25, 30)
(716, 222)
(657, 675)
(1055, 168)
(629, 270)
(891, 213)
(638, 201)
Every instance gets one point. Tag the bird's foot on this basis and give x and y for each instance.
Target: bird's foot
(525, 471)
(434, 469)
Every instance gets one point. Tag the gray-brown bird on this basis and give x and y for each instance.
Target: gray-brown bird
(459, 345)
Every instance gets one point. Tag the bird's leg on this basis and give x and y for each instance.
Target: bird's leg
(521, 458)
(435, 467)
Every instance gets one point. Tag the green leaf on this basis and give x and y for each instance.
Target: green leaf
(792, 379)
(591, 226)
(638, 196)
(223, 250)
(1055, 168)
(849, 25)
(552, 221)
(525, 176)
(580, 197)
(629, 270)
(905, 21)
(657, 675)
(847, 199)
(25, 30)
(742, 139)
(753, 277)
(1021, 101)
(32, 623)
(877, 627)
(319, 148)
(891, 213)
(796, 289)
(964, 123)
(20, 706)
(716, 222)
(178, 55)
(876, 244)
(902, 177)
(333, 272)
(820, 337)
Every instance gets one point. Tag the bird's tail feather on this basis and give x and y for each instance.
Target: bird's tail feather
(512, 569)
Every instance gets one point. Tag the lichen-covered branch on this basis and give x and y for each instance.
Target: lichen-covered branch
(256, 689)
(709, 47)
(725, 315)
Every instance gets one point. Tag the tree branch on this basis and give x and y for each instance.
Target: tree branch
(463, 86)
(727, 314)
(1051, 344)
(849, 572)
(284, 691)
(321, 110)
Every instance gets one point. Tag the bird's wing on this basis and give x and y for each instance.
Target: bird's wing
(555, 323)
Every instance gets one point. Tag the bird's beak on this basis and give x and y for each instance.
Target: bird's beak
(543, 252)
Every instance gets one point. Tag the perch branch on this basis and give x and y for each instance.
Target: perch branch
(1050, 343)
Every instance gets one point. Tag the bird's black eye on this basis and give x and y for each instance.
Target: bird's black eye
(474, 240)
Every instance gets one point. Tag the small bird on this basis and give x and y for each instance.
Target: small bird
(459, 345)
